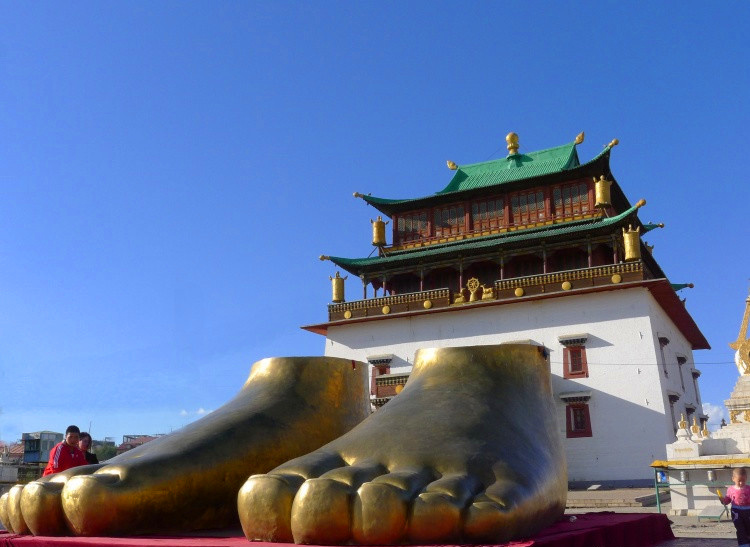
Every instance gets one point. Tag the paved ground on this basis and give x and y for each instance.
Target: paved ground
(689, 531)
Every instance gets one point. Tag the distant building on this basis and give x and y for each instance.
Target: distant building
(11, 453)
(37, 445)
(129, 442)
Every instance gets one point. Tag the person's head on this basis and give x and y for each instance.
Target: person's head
(85, 442)
(739, 476)
(72, 435)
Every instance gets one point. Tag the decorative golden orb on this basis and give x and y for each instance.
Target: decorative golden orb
(358, 195)
(348, 314)
(519, 291)
(614, 142)
(427, 304)
(451, 165)
(512, 140)
(641, 203)
(617, 278)
(386, 310)
(324, 257)
(399, 389)
(566, 286)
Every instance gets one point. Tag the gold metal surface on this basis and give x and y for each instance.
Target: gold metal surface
(451, 165)
(602, 191)
(580, 137)
(473, 286)
(427, 304)
(683, 422)
(337, 288)
(632, 241)
(189, 480)
(613, 143)
(17, 522)
(347, 314)
(468, 452)
(4, 520)
(386, 310)
(519, 292)
(742, 344)
(616, 278)
(512, 140)
(378, 232)
(566, 285)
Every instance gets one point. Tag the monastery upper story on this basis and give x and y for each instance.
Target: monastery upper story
(524, 227)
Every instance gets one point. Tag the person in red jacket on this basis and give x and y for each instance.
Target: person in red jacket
(66, 454)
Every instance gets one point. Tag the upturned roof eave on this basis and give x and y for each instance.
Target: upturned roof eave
(391, 206)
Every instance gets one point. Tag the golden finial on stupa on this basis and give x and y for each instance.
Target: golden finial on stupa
(512, 140)
(695, 428)
(682, 424)
(579, 138)
(704, 432)
(451, 165)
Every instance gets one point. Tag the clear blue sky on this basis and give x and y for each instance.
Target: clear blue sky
(171, 171)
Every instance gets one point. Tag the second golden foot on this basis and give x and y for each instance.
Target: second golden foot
(468, 452)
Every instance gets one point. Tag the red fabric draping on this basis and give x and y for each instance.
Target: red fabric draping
(587, 530)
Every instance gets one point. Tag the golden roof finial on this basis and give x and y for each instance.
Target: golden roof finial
(324, 257)
(451, 165)
(613, 143)
(358, 195)
(579, 137)
(641, 203)
(512, 140)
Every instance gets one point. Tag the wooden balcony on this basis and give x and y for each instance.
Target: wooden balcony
(515, 288)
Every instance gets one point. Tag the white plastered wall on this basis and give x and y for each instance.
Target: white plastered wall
(629, 408)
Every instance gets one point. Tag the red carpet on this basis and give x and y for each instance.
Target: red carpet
(587, 530)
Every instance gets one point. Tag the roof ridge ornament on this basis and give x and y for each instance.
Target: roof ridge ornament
(512, 140)
(451, 165)
(580, 137)
(613, 143)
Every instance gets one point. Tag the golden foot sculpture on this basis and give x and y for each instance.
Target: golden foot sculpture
(468, 452)
(188, 480)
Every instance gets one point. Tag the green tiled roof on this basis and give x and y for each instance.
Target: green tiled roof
(515, 167)
(495, 172)
(478, 244)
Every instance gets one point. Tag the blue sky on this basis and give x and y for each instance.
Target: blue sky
(171, 171)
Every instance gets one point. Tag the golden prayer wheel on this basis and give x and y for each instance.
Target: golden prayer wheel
(603, 197)
(337, 288)
(632, 240)
(378, 232)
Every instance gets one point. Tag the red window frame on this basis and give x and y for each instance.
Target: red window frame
(574, 362)
(577, 420)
